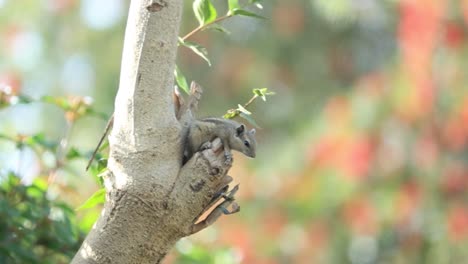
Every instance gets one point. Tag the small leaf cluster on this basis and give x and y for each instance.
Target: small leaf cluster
(206, 13)
(99, 197)
(73, 107)
(242, 111)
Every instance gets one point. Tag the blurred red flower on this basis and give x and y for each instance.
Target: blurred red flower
(457, 221)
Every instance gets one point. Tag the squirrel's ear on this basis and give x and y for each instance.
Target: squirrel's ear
(252, 131)
(240, 129)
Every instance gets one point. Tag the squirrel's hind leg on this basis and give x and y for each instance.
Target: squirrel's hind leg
(206, 145)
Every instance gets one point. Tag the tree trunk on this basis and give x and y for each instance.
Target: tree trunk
(152, 200)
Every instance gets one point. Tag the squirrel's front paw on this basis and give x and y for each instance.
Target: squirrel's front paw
(206, 145)
(228, 157)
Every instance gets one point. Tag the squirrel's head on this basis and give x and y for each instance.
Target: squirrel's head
(247, 143)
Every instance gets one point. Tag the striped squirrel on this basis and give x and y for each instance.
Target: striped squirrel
(233, 135)
(200, 133)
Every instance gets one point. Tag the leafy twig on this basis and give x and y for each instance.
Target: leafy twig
(201, 27)
(242, 110)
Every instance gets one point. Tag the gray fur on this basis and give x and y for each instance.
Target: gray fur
(233, 135)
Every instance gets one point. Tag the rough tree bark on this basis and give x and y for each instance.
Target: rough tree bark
(152, 200)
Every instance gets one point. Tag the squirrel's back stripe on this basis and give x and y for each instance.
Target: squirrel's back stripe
(219, 120)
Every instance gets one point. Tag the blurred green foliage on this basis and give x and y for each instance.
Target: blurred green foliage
(190, 253)
(33, 228)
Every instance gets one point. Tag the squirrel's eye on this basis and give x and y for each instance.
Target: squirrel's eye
(247, 144)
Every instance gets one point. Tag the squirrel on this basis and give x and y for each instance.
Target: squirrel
(233, 135)
(200, 132)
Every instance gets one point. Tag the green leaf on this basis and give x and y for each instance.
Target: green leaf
(98, 170)
(242, 12)
(93, 112)
(104, 145)
(218, 28)
(233, 4)
(40, 183)
(99, 197)
(197, 48)
(204, 11)
(259, 93)
(181, 81)
(73, 153)
(262, 92)
(37, 189)
(102, 162)
(100, 176)
(39, 139)
(249, 119)
(243, 110)
(87, 220)
(6, 137)
(58, 101)
(24, 99)
(102, 172)
(230, 114)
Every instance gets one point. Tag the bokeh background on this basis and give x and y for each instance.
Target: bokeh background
(362, 151)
